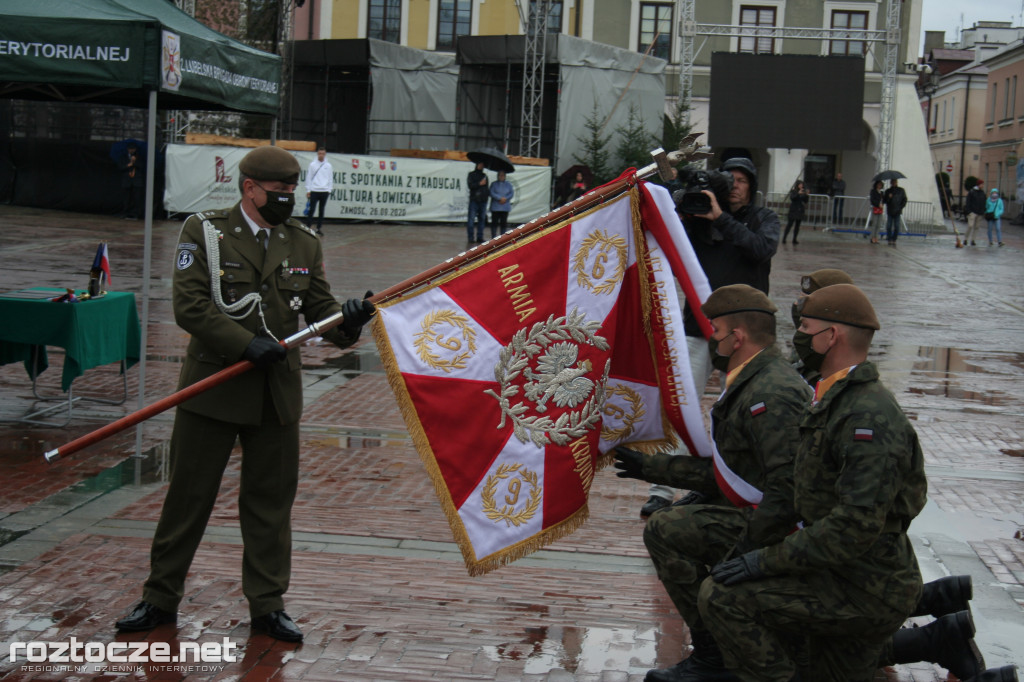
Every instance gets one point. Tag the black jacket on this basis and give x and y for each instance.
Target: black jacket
(734, 249)
(798, 204)
(895, 199)
(976, 201)
(477, 192)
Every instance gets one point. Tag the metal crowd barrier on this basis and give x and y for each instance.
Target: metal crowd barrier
(918, 220)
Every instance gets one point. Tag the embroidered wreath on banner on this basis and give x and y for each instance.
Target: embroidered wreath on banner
(508, 512)
(425, 340)
(629, 419)
(556, 379)
(604, 244)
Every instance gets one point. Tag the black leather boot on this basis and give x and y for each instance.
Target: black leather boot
(1008, 673)
(949, 641)
(945, 595)
(703, 665)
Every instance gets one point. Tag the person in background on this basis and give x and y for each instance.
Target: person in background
(319, 182)
(476, 181)
(501, 203)
(798, 198)
(993, 214)
(578, 187)
(838, 191)
(876, 210)
(895, 200)
(974, 206)
(133, 182)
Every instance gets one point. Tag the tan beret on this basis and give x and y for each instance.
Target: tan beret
(270, 163)
(823, 278)
(843, 303)
(737, 298)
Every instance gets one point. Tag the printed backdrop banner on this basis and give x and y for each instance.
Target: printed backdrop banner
(517, 374)
(382, 188)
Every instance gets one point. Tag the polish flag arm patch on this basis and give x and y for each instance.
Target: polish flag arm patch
(759, 408)
(863, 434)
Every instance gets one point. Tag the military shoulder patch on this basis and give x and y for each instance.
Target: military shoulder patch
(864, 434)
(185, 259)
(759, 408)
(187, 245)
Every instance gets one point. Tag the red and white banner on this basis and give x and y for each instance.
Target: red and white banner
(519, 372)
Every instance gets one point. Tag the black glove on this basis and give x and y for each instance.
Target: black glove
(263, 352)
(630, 463)
(742, 568)
(357, 313)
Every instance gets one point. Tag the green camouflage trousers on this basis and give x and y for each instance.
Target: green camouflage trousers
(684, 542)
(756, 624)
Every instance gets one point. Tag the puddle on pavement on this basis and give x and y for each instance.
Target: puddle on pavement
(355, 362)
(579, 650)
(982, 380)
(151, 468)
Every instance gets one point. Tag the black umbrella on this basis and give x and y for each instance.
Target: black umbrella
(888, 175)
(492, 159)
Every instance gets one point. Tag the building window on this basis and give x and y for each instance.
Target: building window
(385, 20)
(1013, 98)
(751, 15)
(995, 93)
(454, 18)
(554, 15)
(843, 19)
(952, 114)
(935, 116)
(656, 27)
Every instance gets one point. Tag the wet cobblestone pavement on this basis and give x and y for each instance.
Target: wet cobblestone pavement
(378, 586)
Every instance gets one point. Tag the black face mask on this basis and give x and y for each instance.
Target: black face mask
(811, 358)
(279, 206)
(719, 362)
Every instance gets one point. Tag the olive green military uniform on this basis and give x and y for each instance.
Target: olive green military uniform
(756, 425)
(260, 407)
(849, 578)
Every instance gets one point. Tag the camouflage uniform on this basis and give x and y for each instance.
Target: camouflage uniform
(758, 445)
(849, 578)
(261, 407)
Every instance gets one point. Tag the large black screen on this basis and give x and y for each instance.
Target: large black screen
(786, 101)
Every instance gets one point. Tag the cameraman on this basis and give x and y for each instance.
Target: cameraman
(734, 246)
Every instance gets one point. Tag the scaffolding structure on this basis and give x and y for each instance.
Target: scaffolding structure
(889, 38)
(534, 15)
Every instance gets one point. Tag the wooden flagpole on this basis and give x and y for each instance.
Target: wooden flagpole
(593, 198)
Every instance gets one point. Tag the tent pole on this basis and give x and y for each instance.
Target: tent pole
(147, 254)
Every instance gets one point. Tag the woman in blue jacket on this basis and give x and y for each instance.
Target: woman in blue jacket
(993, 212)
(501, 204)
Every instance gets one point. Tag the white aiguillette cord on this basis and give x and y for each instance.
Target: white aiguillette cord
(247, 303)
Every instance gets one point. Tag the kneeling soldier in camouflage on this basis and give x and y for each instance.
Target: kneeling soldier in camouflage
(747, 486)
(848, 578)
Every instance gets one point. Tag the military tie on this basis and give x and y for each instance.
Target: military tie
(265, 238)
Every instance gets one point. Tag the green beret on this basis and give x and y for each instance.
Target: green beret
(270, 163)
(842, 303)
(737, 298)
(823, 278)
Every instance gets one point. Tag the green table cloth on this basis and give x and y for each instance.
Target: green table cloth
(92, 333)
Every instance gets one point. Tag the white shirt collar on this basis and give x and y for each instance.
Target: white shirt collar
(252, 223)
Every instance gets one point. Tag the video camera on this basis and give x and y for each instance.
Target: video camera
(692, 201)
